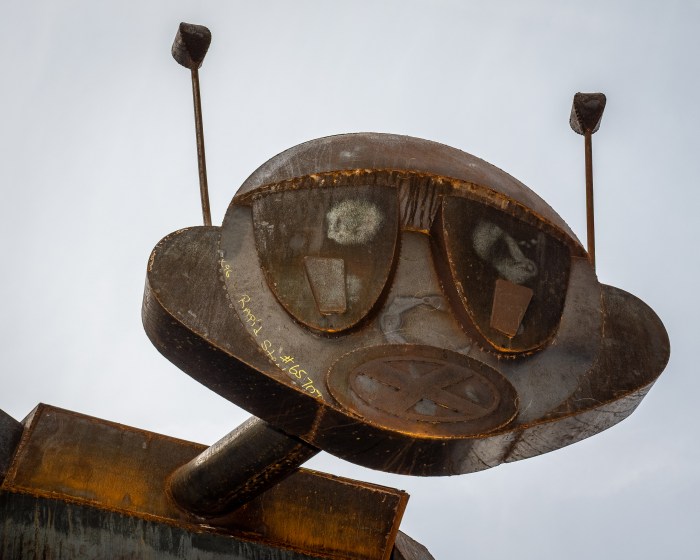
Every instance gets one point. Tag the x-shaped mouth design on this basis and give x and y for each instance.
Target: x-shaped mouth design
(423, 389)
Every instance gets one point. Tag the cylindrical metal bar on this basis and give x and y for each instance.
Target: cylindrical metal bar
(201, 159)
(590, 218)
(237, 468)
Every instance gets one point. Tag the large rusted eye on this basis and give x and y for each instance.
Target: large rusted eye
(327, 253)
(506, 277)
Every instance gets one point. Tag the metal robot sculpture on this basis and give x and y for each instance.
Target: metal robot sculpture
(396, 302)
(400, 304)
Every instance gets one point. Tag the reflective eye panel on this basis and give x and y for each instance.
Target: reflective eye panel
(507, 278)
(327, 253)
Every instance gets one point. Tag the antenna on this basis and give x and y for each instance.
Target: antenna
(586, 112)
(189, 49)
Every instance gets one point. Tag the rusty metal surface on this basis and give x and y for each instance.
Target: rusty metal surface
(77, 459)
(211, 309)
(10, 433)
(40, 528)
(36, 528)
(510, 302)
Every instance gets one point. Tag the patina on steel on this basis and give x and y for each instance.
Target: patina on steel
(413, 363)
(189, 49)
(83, 487)
(586, 113)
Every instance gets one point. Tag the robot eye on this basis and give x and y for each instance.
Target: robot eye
(327, 253)
(506, 277)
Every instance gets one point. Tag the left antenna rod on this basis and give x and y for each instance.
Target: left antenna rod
(189, 49)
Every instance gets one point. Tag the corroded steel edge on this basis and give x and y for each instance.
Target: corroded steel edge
(367, 500)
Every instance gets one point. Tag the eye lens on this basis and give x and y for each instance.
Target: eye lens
(327, 252)
(506, 277)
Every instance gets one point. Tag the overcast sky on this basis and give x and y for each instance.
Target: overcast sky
(98, 163)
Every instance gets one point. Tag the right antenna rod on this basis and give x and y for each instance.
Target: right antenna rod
(586, 112)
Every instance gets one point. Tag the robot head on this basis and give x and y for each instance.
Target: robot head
(415, 309)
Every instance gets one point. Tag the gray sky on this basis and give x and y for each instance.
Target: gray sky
(98, 163)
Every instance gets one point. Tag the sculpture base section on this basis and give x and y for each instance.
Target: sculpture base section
(35, 527)
(81, 487)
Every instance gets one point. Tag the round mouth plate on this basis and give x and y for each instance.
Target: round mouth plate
(423, 390)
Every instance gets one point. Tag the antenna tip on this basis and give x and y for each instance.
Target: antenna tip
(191, 45)
(586, 112)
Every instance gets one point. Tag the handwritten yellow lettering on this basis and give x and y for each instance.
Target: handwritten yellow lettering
(226, 268)
(250, 318)
(294, 371)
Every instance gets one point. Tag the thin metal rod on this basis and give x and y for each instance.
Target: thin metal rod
(589, 196)
(201, 159)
